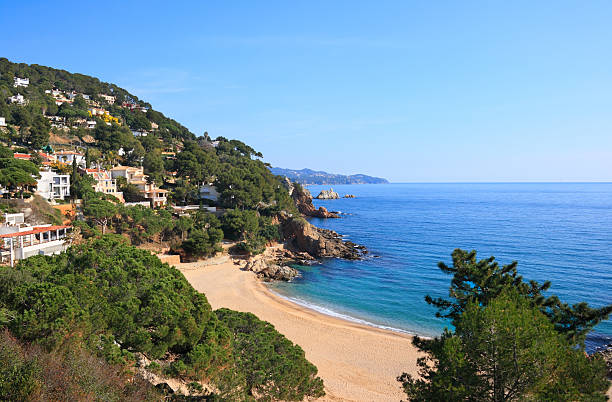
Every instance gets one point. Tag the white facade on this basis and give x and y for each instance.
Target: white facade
(21, 82)
(108, 98)
(13, 219)
(18, 99)
(68, 157)
(22, 241)
(53, 186)
(209, 192)
(2, 122)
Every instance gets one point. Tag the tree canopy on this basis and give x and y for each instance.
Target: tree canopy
(509, 342)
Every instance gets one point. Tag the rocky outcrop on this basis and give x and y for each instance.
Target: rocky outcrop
(270, 271)
(328, 195)
(349, 196)
(319, 243)
(303, 200)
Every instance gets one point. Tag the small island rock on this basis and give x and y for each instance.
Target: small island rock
(328, 195)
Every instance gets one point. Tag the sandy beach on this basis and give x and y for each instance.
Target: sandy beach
(356, 362)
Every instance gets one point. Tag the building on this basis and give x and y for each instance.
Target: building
(104, 182)
(21, 82)
(139, 133)
(91, 124)
(135, 175)
(19, 240)
(96, 111)
(26, 157)
(52, 185)
(209, 192)
(68, 157)
(18, 99)
(108, 98)
(2, 122)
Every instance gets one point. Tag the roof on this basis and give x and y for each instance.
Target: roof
(36, 230)
(22, 156)
(68, 153)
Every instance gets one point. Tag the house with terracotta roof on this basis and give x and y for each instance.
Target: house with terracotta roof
(19, 240)
(25, 157)
(104, 182)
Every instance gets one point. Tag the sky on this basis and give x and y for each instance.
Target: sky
(413, 91)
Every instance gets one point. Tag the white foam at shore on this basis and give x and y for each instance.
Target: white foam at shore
(332, 313)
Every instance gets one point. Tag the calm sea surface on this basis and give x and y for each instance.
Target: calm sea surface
(557, 232)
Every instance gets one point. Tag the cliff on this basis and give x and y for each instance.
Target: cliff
(300, 235)
(303, 200)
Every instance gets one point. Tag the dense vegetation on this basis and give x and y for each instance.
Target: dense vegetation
(45, 78)
(510, 342)
(118, 300)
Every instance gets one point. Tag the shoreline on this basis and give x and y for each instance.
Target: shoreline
(357, 362)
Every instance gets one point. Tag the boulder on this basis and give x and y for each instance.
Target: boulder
(319, 243)
(270, 271)
(303, 200)
(349, 196)
(328, 195)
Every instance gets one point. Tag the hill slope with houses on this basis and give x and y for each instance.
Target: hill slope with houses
(81, 159)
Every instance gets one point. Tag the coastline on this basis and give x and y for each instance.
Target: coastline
(357, 362)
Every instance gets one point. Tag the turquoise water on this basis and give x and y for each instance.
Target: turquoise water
(560, 232)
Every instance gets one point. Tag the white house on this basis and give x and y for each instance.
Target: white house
(139, 133)
(2, 122)
(19, 240)
(108, 98)
(91, 124)
(68, 157)
(21, 82)
(18, 99)
(209, 192)
(52, 185)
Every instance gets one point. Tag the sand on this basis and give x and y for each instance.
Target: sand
(356, 362)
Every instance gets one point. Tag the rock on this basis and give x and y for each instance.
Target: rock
(288, 185)
(328, 195)
(606, 354)
(319, 243)
(349, 196)
(303, 200)
(268, 271)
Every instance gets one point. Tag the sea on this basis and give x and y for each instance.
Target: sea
(561, 232)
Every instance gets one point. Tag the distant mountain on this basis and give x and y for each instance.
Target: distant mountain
(308, 176)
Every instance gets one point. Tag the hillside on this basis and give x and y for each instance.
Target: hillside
(308, 176)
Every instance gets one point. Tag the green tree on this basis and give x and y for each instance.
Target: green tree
(238, 224)
(273, 367)
(502, 351)
(100, 211)
(484, 280)
(153, 165)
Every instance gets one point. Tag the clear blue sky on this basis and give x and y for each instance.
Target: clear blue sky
(411, 91)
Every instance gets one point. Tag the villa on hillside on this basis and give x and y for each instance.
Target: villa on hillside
(209, 192)
(135, 175)
(21, 82)
(108, 98)
(52, 185)
(18, 240)
(68, 157)
(104, 182)
(2, 122)
(18, 99)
